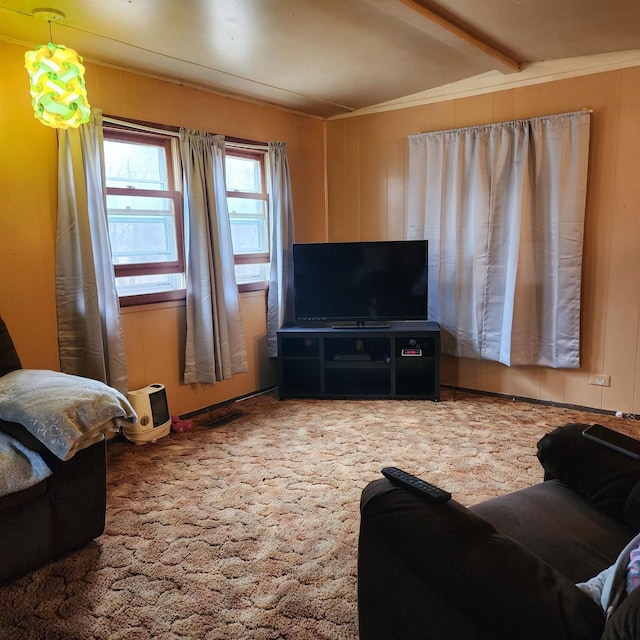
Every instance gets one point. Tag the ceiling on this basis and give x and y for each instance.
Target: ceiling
(327, 57)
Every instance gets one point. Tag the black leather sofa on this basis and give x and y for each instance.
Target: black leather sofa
(504, 569)
(61, 512)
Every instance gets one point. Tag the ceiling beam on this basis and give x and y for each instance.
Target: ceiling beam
(445, 30)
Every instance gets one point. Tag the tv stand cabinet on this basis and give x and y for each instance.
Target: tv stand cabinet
(401, 360)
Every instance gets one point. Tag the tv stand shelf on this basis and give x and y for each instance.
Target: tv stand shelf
(401, 360)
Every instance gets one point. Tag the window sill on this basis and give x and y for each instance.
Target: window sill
(179, 295)
(152, 298)
(253, 286)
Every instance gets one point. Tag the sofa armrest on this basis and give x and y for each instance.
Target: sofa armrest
(609, 479)
(78, 496)
(448, 558)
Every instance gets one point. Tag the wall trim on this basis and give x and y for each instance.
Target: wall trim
(493, 81)
(492, 394)
(226, 403)
(546, 403)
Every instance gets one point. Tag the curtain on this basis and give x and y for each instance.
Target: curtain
(503, 208)
(280, 296)
(215, 348)
(88, 311)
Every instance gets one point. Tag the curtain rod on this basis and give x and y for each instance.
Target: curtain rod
(151, 127)
(143, 126)
(493, 124)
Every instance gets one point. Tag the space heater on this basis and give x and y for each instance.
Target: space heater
(154, 421)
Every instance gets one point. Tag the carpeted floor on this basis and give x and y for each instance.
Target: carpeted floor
(248, 529)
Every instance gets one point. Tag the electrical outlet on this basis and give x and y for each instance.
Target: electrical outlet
(600, 380)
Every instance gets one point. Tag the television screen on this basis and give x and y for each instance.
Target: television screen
(360, 281)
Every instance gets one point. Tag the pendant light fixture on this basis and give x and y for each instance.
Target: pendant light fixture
(58, 91)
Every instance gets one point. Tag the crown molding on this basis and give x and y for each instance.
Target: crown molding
(493, 81)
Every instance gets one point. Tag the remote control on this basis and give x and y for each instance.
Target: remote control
(425, 489)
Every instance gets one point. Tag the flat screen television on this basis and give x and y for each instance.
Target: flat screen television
(360, 282)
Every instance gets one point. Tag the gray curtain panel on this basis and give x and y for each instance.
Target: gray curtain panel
(89, 330)
(280, 296)
(503, 206)
(215, 347)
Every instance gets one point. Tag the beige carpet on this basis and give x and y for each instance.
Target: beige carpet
(248, 529)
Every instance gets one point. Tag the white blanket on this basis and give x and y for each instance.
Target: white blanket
(66, 413)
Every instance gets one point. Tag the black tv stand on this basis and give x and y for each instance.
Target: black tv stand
(400, 360)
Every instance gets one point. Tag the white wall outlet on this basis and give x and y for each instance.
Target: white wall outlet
(600, 380)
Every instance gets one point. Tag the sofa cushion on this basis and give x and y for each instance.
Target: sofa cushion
(609, 479)
(560, 526)
(488, 577)
(9, 360)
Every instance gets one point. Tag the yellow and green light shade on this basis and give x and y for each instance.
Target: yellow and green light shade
(58, 91)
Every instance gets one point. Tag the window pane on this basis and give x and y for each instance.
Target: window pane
(248, 225)
(142, 166)
(141, 229)
(248, 215)
(243, 174)
(139, 203)
(246, 205)
(249, 235)
(246, 273)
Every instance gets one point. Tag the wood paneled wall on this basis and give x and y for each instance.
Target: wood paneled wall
(154, 334)
(364, 160)
(366, 175)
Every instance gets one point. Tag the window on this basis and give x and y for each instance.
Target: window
(145, 215)
(144, 208)
(248, 204)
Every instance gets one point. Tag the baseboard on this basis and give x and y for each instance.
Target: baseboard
(505, 396)
(212, 407)
(548, 403)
